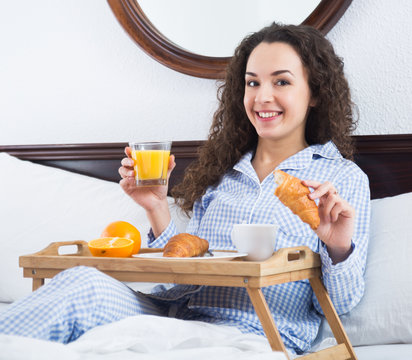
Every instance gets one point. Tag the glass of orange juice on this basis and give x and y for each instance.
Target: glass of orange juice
(151, 161)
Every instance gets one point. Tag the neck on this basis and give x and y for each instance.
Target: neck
(270, 154)
(274, 152)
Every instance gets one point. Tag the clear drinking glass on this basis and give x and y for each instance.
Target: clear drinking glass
(151, 161)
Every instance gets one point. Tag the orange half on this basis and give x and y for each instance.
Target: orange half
(111, 247)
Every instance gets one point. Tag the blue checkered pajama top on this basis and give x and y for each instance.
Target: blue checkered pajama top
(241, 197)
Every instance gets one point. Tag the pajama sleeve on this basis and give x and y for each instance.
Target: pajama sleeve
(345, 281)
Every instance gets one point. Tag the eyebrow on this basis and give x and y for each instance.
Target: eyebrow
(275, 73)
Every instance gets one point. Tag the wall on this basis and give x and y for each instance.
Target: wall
(70, 74)
(219, 40)
(374, 38)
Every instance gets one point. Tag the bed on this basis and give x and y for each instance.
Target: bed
(64, 192)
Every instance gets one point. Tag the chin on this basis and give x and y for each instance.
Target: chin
(268, 137)
(267, 133)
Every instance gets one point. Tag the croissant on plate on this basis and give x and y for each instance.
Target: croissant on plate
(293, 194)
(185, 245)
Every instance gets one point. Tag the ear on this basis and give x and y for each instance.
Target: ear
(313, 102)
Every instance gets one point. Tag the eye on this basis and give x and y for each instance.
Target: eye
(282, 82)
(252, 83)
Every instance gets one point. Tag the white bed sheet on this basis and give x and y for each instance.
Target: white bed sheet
(146, 338)
(384, 352)
(373, 352)
(3, 306)
(151, 337)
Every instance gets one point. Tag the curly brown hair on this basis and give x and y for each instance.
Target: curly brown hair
(232, 134)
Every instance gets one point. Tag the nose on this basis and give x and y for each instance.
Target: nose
(265, 93)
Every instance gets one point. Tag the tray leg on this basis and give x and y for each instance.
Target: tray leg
(266, 319)
(37, 282)
(331, 315)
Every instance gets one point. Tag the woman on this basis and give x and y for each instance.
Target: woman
(285, 104)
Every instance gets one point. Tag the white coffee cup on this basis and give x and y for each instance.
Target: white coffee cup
(257, 240)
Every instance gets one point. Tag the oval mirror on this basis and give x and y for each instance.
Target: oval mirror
(161, 27)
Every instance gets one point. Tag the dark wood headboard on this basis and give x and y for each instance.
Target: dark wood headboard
(386, 159)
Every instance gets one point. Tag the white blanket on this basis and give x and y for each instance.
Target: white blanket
(146, 338)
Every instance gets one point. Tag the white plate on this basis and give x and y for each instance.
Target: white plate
(217, 255)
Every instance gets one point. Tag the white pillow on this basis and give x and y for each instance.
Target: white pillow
(178, 216)
(40, 205)
(384, 315)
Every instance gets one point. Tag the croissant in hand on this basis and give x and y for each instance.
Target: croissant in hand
(185, 245)
(293, 194)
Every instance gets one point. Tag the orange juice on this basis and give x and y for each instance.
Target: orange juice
(151, 166)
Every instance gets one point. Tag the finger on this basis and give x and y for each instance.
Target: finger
(126, 173)
(323, 189)
(342, 209)
(127, 162)
(172, 162)
(336, 211)
(334, 207)
(127, 184)
(128, 151)
(329, 204)
(172, 165)
(311, 183)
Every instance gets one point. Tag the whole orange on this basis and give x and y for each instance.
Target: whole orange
(126, 230)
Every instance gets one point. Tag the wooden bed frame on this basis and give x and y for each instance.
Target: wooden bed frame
(386, 159)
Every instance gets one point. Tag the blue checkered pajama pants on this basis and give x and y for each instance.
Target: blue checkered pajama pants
(73, 302)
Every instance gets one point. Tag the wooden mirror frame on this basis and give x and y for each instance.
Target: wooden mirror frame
(132, 18)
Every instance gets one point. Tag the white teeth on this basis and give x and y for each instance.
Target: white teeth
(268, 114)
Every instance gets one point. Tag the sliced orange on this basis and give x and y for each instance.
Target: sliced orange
(111, 247)
(123, 229)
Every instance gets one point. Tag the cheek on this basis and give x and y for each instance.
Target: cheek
(297, 102)
(248, 102)
(245, 101)
(289, 99)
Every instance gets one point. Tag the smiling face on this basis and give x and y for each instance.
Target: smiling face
(277, 96)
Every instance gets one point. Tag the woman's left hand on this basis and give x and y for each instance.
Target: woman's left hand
(337, 219)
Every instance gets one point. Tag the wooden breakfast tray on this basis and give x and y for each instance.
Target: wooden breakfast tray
(285, 265)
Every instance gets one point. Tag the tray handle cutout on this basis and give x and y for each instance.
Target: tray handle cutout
(296, 254)
(54, 248)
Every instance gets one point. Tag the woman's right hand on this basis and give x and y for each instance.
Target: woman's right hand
(149, 197)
